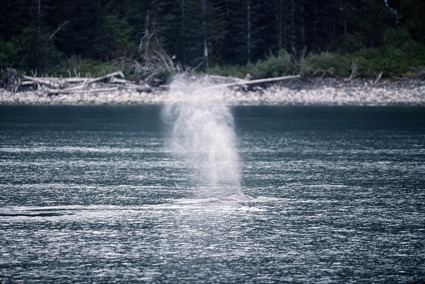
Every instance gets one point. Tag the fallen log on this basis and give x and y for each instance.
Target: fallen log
(76, 91)
(64, 83)
(42, 81)
(118, 80)
(53, 85)
(378, 78)
(52, 82)
(71, 80)
(108, 76)
(226, 79)
(253, 82)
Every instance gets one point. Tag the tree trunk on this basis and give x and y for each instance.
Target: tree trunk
(37, 37)
(183, 31)
(248, 30)
(205, 33)
(147, 34)
(292, 35)
(279, 24)
(253, 82)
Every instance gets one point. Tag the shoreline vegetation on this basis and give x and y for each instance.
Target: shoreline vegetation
(105, 52)
(114, 89)
(322, 79)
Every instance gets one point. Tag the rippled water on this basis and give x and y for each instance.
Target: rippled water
(94, 194)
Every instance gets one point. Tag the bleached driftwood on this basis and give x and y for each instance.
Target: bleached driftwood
(258, 81)
(78, 91)
(12, 80)
(71, 85)
(109, 76)
(226, 79)
(60, 83)
(353, 73)
(42, 81)
(378, 78)
(116, 81)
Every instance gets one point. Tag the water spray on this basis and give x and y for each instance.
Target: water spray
(203, 134)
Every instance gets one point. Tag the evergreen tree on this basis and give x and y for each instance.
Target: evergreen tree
(34, 33)
(369, 19)
(16, 33)
(411, 13)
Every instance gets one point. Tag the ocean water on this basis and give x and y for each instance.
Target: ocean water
(98, 194)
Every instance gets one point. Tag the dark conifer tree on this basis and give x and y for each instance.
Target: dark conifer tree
(34, 33)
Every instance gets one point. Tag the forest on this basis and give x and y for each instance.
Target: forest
(228, 37)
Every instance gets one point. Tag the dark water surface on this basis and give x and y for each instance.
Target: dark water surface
(93, 194)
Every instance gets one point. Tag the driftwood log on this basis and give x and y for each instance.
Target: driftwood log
(241, 82)
(12, 80)
(106, 83)
(111, 82)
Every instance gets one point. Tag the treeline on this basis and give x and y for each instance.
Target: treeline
(306, 35)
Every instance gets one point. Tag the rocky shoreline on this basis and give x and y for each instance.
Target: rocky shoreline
(327, 91)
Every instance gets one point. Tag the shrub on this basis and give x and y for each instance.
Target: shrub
(77, 66)
(16, 52)
(348, 44)
(330, 63)
(238, 71)
(273, 66)
(393, 61)
(396, 38)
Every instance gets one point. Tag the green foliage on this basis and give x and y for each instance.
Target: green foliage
(348, 43)
(116, 42)
(43, 54)
(394, 62)
(412, 17)
(16, 51)
(396, 37)
(78, 66)
(8, 54)
(273, 66)
(263, 38)
(394, 59)
(238, 71)
(332, 64)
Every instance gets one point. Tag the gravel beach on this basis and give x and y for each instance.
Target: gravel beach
(328, 91)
